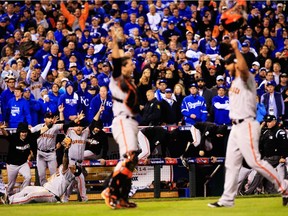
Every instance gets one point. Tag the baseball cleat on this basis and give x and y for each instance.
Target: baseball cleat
(4, 199)
(127, 204)
(215, 205)
(110, 201)
(285, 201)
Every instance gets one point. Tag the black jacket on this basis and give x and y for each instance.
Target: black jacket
(151, 113)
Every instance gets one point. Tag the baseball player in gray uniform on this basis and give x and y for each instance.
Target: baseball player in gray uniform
(52, 190)
(46, 145)
(244, 136)
(124, 126)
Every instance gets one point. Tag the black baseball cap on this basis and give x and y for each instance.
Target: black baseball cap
(48, 115)
(270, 118)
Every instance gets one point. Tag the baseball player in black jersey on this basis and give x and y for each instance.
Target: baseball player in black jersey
(20, 151)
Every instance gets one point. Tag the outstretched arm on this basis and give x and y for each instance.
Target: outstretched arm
(241, 64)
(65, 160)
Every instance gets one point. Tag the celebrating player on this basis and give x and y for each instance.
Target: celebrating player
(244, 136)
(52, 190)
(124, 126)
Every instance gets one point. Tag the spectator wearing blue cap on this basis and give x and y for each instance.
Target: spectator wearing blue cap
(71, 103)
(203, 42)
(212, 49)
(46, 105)
(262, 87)
(171, 30)
(34, 106)
(85, 97)
(96, 28)
(273, 101)
(248, 35)
(170, 109)
(188, 39)
(193, 107)
(88, 70)
(220, 104)
(54, 93)
(104, 76)
(249, 56)
(193, 53)
(43, 52)
(161, 86)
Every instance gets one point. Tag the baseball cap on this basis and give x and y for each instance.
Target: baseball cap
(69, 83)
(270, 118)
(271, 83)
(263, 68)
(155, 29)
(22, 127)
(83, 80)
(224, 7)
(279, 5)
(221, 86)
(225, 37)
(48, 115)
(165, 20)
(283, 75)
(171, 22)
(162, 81)
(193, 85)
(72, 64)
(26, 89)
(117, 21)
(245, 44)
(194, 41)
(256, 63)
(219, 77)
(212, 67)
(43, 89)
(64, 79)
(168, 90)
(188, 32)
(9, 77)
(208, 29)
(37, 66)
(47, 41)
(105, 64)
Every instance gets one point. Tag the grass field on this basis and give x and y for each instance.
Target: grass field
(255, 206)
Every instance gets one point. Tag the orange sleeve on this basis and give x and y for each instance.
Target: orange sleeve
(67, 14)
(84, 16)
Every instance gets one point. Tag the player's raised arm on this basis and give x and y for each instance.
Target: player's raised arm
(241, 64)
(117, 53)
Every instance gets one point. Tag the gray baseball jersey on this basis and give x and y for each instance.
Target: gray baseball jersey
(76, 151)
(59, 181)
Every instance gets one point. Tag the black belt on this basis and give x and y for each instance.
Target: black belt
(56, 197)
(46, 151)
(238, 121)
(126, 116)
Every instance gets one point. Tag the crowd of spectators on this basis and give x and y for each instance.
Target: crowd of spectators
(56, 53)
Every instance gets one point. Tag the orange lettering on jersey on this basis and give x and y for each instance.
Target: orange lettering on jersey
(49, 136)
(79, 142)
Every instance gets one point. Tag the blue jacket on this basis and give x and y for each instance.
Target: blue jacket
(107, 115)
(71, 104)
(46, 107)
(85, 99)
(261, 112)
(221, 110)
(17, 111)
(194, 104)
(6, 95)
(34, 107)
(103, 80)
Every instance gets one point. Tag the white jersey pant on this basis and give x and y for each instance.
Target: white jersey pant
(144, 145)
(32, 194)
(45, 160)
(13, 171)
(124, 130)
(80, 180)
(243, 142)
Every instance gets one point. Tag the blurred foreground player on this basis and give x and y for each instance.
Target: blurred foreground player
(243, 140)
(124, 126)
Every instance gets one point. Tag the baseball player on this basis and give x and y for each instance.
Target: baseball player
(243, 140)
(46, 145)
(20, 151)
(97, 140)
(149, 138)
(54, 188)
(78, 134)
(124, 126)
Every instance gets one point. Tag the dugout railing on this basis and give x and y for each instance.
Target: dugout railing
(156, 163)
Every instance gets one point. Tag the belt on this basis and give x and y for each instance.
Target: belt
(127, 116)
(46, 151)
(239, 121)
